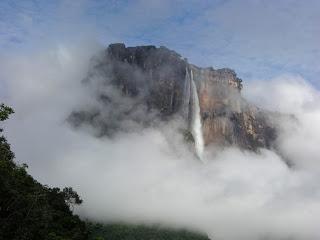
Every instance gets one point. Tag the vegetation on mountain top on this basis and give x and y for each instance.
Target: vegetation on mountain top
(121, 231)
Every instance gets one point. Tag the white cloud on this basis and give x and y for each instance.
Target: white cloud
(293, 95)
(151, 176)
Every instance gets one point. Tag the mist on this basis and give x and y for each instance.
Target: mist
(149, 175)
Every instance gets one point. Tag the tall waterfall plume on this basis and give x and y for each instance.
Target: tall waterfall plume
(196, 125)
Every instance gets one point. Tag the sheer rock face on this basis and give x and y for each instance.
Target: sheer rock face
(154, 80)
(226, 117)
(157, 74)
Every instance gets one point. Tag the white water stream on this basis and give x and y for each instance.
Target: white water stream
(196, 125)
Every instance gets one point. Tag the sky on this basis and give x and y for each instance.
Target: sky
(259, 39)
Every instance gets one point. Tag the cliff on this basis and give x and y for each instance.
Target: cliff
(136, 86)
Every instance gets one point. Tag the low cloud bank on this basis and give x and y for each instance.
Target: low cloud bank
(292, 95)
(150, 176)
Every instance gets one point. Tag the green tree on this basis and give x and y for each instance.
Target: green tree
(30, 210)
(71, 197)
(122, 231)
(5, 111)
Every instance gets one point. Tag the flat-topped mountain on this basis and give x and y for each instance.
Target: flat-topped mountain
(137, 86)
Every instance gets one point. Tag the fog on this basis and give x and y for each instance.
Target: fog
(149, 175)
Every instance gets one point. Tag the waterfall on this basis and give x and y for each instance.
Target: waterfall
(191, 112)
(196, 125)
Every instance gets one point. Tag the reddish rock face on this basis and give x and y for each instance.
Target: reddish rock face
(219, 96)
(151, 79)
(227, 119)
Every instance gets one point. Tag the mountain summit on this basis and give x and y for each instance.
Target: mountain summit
(140, 86)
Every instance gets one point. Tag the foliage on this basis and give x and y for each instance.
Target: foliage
(29, 210)
(122, 231)
(5, 111)
(71, 197)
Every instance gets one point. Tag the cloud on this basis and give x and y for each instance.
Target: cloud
(151, 176)
(292, 95)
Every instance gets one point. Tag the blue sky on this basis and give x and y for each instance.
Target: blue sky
(257, 38)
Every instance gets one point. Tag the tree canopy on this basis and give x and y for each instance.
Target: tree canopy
(30, 210)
